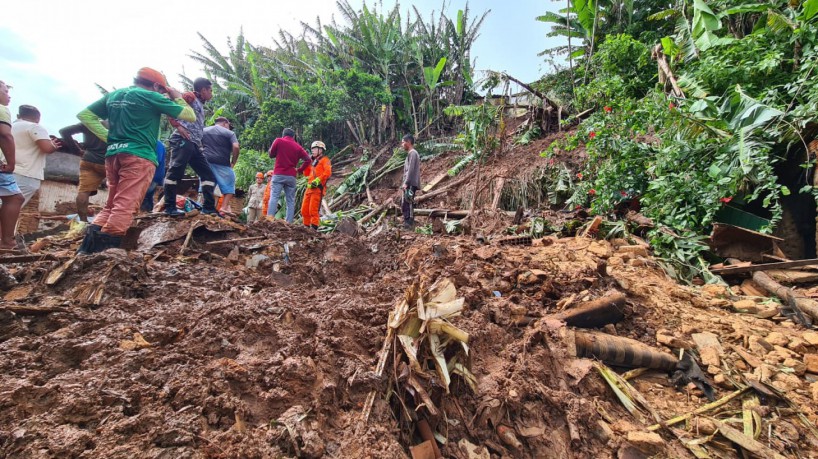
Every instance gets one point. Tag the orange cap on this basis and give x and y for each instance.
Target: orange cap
(259, 175)
(154, 76)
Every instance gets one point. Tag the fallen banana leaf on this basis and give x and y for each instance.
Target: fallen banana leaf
(747, 443)
(424, 396)
(411, 327)
(467, 376)
(442, 291)
(627, 402)
(695, 446)
(703, 409)
(438, 326)
(433, 310)
(635, 373)
(440, 361)
(397, 316)
(774, 392)
(752, 420)
(408, 344)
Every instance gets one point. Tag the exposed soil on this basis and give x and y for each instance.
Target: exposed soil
(268, 348)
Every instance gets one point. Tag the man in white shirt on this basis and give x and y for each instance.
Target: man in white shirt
(33, 144)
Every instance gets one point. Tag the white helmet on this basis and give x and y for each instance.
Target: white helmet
(318, 144)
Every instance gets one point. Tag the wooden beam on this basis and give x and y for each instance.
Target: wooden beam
(242, 239)
(25, 259)
(764, 267)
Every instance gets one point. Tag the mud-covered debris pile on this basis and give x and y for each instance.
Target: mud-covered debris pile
(269, 346)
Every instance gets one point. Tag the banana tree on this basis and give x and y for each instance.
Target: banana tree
(431, 87)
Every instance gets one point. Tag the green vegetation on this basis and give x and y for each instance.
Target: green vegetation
(732, 135)
(367, 79)
(723, 119)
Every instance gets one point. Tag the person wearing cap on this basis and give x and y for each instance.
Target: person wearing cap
(133, 115)
(287, 153)
(186, 150)
(255, 199)
(221, 149)
(317, 173)
(10, 194)
(33, 144)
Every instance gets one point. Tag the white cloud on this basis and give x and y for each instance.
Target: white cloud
(54, 54)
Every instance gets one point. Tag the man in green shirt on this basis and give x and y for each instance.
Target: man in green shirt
(133, 115)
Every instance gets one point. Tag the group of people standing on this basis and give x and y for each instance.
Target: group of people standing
(120, 132)
(25, 145)
(315, 166)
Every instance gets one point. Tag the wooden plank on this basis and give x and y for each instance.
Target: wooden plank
(32, 310)
(25, 259)
(750, 288)
(764, 267)
(440, 177)
(498, 192)
(789, 276)
(241, 239)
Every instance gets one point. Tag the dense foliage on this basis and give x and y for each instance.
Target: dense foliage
(732, 137)
(367, 79)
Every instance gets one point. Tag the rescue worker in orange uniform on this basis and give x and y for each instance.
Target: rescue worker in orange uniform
(317, 173)
(269, 176)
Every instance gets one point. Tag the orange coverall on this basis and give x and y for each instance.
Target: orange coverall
(311, 206)
(266, 202)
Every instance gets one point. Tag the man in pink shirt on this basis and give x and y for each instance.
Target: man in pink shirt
(287, 152)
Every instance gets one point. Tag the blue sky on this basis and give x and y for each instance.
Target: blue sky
(53, 60)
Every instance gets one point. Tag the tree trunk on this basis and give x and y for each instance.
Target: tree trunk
(608, 309)
(807, 306)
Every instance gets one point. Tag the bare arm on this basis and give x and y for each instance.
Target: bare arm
(187, 113)
(235, 155)
(46, 146)
(7, 145)
(67, 133)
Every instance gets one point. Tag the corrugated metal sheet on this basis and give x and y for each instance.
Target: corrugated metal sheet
(53, 193)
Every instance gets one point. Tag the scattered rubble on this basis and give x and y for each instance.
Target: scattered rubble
(213, 339)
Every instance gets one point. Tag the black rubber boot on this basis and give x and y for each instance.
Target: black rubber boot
(208, 200)
(315, 227)
(87, 245)
(104, 241)
(173, 212)
(170, 201)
